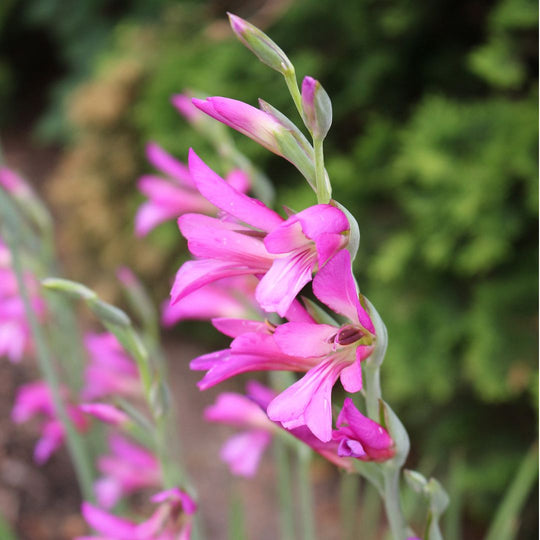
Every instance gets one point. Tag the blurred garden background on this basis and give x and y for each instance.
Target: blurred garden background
(433, 148)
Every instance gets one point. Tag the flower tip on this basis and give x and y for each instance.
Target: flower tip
(237, 23)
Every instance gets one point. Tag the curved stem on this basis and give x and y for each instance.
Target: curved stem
(392, 504)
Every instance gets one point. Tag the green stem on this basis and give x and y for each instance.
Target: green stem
(392, 503)
(323, 188)
(292, 85)
(284, 490)
(304, 455)
(348, 502)
(373, 390)
(81, 462)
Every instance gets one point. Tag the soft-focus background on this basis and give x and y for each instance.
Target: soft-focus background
(433, 148)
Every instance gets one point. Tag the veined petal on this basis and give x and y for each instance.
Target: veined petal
(351, 376)
(229, 199)
(252, 122)
(287, 237)
(285, 279)
(307, 340)
(248, 352)
(308, 401)
(194, 274)
(334, 285)
(217, 239)
(166, 163)
(322, 218)
(236, 327)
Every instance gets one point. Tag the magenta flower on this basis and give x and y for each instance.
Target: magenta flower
(127, 468)
(284, 252)
(242, 452)
(110, 370)
(361, 437)
(325, 352)
(35, 399)
(230, 297)
(175, 194)
(171, 520)
(184, 105)
(13, 183)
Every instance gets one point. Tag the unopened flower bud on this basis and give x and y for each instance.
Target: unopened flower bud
(260, 45)
(317, 108)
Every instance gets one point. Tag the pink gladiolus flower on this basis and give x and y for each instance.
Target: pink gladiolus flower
(361, 437)
(231, 298)
(174, 195)
(36, 399)
(243, 451)
(325, 352)
(171, 520)
(285, 252)
(110, 370)
(126, 469)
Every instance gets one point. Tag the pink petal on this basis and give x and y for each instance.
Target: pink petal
(287, 237)
(334, 285)
(298, 313)
(321, 219)
(195, 274)
(239, 180)
(105, 523)
(236, 327)
(229, 199)
(105, 412)
(285, 279)
(351, 377)
(252, 122)
(236, 410)
(52, 438)
(166, 163)
(243, 452)
(149, 216)
(108, 492)
(308, 401)
(307, 340)
(217, 239)
(206, 303)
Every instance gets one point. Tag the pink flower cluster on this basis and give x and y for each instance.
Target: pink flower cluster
(127, 467)
(246, 239)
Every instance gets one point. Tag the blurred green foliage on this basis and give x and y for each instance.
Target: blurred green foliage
(433, 148)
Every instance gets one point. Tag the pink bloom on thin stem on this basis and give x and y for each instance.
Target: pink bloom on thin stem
(110, 371)
(361, 437)
(284, 252)
(172, 520)
(127, 468)
(35, 399)
(175, 194)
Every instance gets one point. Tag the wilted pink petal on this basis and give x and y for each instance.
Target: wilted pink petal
(361, 437)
